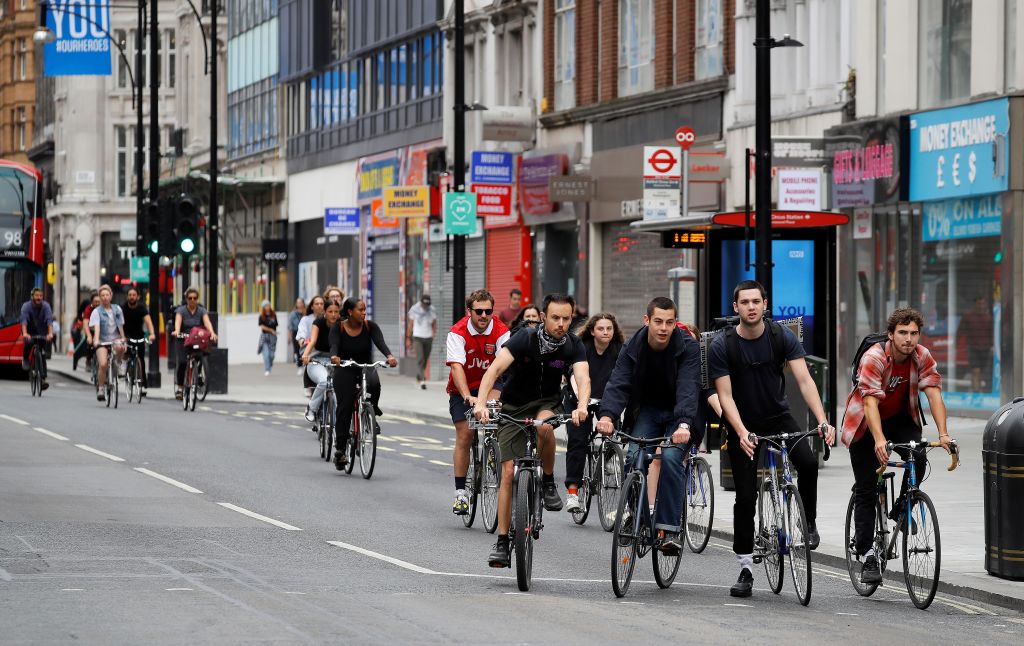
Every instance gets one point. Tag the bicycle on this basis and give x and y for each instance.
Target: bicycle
(133, 376)
(36, 364)
(527, 496)
(484, 474)
(699, 504)
(110, 389)
(364, 423)
(781, 521)
(602, 476)
(195, 385)
(633, 534)
(325, 414)
(921, 546)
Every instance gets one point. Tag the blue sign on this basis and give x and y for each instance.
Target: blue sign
(83, 36)
(960, 152)
(341, 221)
(957, 219)
(491, 168)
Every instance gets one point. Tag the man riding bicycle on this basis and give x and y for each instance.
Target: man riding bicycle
(657, 380)
(36, 320)
(107, 324)
(540, 358)
(885, 402)
(472, 345)
(138, 324)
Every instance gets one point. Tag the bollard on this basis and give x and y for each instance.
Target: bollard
(1003, 458)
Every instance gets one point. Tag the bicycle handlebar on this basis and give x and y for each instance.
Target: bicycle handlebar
(662, 442)
(786, 437)
(954, 453)
(555, 420)
(349, 363)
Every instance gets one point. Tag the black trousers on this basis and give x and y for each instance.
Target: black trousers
(744, 473)
(296, 352)
(576, 451)
(898, 428)
(346, 384)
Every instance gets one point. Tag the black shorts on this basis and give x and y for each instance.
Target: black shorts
(458, 407)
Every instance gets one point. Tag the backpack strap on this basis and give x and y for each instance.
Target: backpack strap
(778, 348)
(733, 355)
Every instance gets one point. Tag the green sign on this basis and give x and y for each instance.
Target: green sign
(140, 269)
(460, 214)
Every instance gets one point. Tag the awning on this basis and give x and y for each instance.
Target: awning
(700, 220)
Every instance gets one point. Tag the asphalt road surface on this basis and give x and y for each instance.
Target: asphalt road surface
(146, 524)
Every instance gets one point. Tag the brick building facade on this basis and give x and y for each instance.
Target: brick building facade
(17, 78)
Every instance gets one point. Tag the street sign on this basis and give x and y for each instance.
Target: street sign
(406, 201)
(275, 249)
(685, 137)
(493, 200)
(785, 219)
(491, 168)
(342, 221)
(140, 269)
(661, 162)
(459, 214)
(662, 169)
(571, 188)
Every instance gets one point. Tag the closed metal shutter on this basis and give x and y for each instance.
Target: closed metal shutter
(634, 269)
(441, 287)
(386, 308)
(508, 263)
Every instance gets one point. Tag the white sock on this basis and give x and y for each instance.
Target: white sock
(746, 562)
(871, 552)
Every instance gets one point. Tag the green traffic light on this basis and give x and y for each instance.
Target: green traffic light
(998, 258)
(188, 245)
(154, 247)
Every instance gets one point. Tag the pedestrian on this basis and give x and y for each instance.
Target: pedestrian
(507, 315)
(976, 332)
(268, 336)
(293, 327)
(420, 333)
(83, 347)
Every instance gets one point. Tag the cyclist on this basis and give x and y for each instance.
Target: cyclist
(36, 320)
(138, 324)
(332, 293)
(602, 338)
(107, 324)
(472, 344)
(315, 311)
(354, 339)
(656, 380)
(186, 317)
(884, 407)
(84, 348)
(540, 358)
(529, 316)
(319, 347)
(746, 365)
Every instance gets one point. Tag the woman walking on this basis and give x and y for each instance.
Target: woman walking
(268, 337)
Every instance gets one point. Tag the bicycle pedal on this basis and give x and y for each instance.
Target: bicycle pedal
(758, 560)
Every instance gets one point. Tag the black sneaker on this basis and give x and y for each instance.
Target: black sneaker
(501, 556)
(813, 540)
(377, 411)
(340, 460)
(99, 396)
(45, 385)
(552, 501)
(376, 427)
(671, 545)
(744, 586)
(870, 574)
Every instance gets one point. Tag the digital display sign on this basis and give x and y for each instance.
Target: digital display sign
(679, 239)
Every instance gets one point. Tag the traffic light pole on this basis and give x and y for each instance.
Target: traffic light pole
(763, 145)
(213, 223)
(459, 143)
(140, 180)
(155, 304)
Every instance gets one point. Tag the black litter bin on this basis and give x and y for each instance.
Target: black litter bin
(1003, 457)
(217, 371)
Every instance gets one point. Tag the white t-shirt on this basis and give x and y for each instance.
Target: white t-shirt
(423, 320)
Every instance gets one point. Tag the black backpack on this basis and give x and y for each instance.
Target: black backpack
(866, 344)
(735, 356)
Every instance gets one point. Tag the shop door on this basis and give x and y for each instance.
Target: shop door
(386, 307)
(508, 263)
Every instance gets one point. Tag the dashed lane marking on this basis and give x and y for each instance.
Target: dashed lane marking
(385, 448)
(737, 605)
(56, 436)
(439, 462)
(86, 447)
(295, 426)
(848, 614)
(178, 589)
(265, 519)
(412, 455)
(14, 419)
(170, 481)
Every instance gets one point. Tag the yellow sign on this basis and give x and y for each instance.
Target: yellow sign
(406, 201)
(51, 273)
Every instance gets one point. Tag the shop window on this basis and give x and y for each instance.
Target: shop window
(565, 54)
(636, 46)
(944, 51)
(708, 55)
(1010, 66)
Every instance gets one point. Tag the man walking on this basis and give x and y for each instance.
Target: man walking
(420, 332)
(515, 304)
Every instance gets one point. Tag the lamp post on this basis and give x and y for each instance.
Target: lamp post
(763, 45)
(459, 143)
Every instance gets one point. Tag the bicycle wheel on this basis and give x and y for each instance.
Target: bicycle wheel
(796, 542)
(472, 482)
(367, 442)
(201, 384)
(490, 481)
(321, 436)
(665, 567)
(353, 441)
(108, 388)
(853, 561)
(129, 379)
(186, 388)
(329, 420)
(699, 506)
(580, 517)
(35, 382)
(625, 534)
(921, 550)
(523, 516)
(769, 523)
(612, 466)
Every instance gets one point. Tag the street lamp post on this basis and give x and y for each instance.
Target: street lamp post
(459, 156)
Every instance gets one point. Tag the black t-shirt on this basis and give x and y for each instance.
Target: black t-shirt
(758, 387)
(529, 379)
(657, 387)
(134, 326)
(601, 366)
(323, 338)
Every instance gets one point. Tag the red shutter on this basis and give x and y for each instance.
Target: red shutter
(508, 263)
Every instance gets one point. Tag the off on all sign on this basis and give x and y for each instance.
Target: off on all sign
(685, 137)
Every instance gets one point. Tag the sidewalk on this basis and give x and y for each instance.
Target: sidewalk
(958, 496)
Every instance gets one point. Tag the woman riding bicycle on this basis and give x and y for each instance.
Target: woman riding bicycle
(319, 350)
(354, 339)
(107, 323)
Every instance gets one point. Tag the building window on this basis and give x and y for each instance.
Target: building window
(171, 58)
(22, 125)
(565, 54)
(1010, 66)
(944, 51)
(23, 57)
(708, 54)
(636, 46)
(123, 138)
(880, 59)
(23, 4)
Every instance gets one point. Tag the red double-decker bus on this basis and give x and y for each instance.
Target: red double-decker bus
(21, 250)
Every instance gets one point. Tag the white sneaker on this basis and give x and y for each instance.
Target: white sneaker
(572, 503)
(310, 415)
(461, 505)
(299, 373)
(266, 374)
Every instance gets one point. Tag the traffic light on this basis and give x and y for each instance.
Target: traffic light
(155, 235)
(76, 261)
(186, 223)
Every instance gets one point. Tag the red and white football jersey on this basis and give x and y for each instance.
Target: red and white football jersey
(474, 350)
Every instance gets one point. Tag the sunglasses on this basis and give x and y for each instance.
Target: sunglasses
(482, 312)
(193, 298)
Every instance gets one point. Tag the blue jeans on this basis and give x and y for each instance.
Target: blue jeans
(318, 374)
(652, 422)
(268, 357)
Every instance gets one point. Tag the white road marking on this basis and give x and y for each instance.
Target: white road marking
(295, 426)
(385, 448)
(403, 418)
(412, 455)
(86, 447)
(5, 575)
(72, 589)
(382, 557)
(55, 436)
(178, 589)
(266, 519)
(14, 419)
(276, 423)
(848, 614)
(287, 592)
(256, 419)
(737, 605)
(439, 462)
(170, 481)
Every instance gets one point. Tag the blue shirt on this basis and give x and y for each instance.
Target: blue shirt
(36, 319)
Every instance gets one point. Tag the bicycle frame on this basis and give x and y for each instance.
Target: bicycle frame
(779, 445)
(645, 455)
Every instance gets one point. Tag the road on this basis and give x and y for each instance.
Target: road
(131, 526)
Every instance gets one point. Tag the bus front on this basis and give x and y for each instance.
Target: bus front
(21, 250)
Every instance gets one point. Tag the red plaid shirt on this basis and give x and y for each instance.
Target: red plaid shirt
(875, 370)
